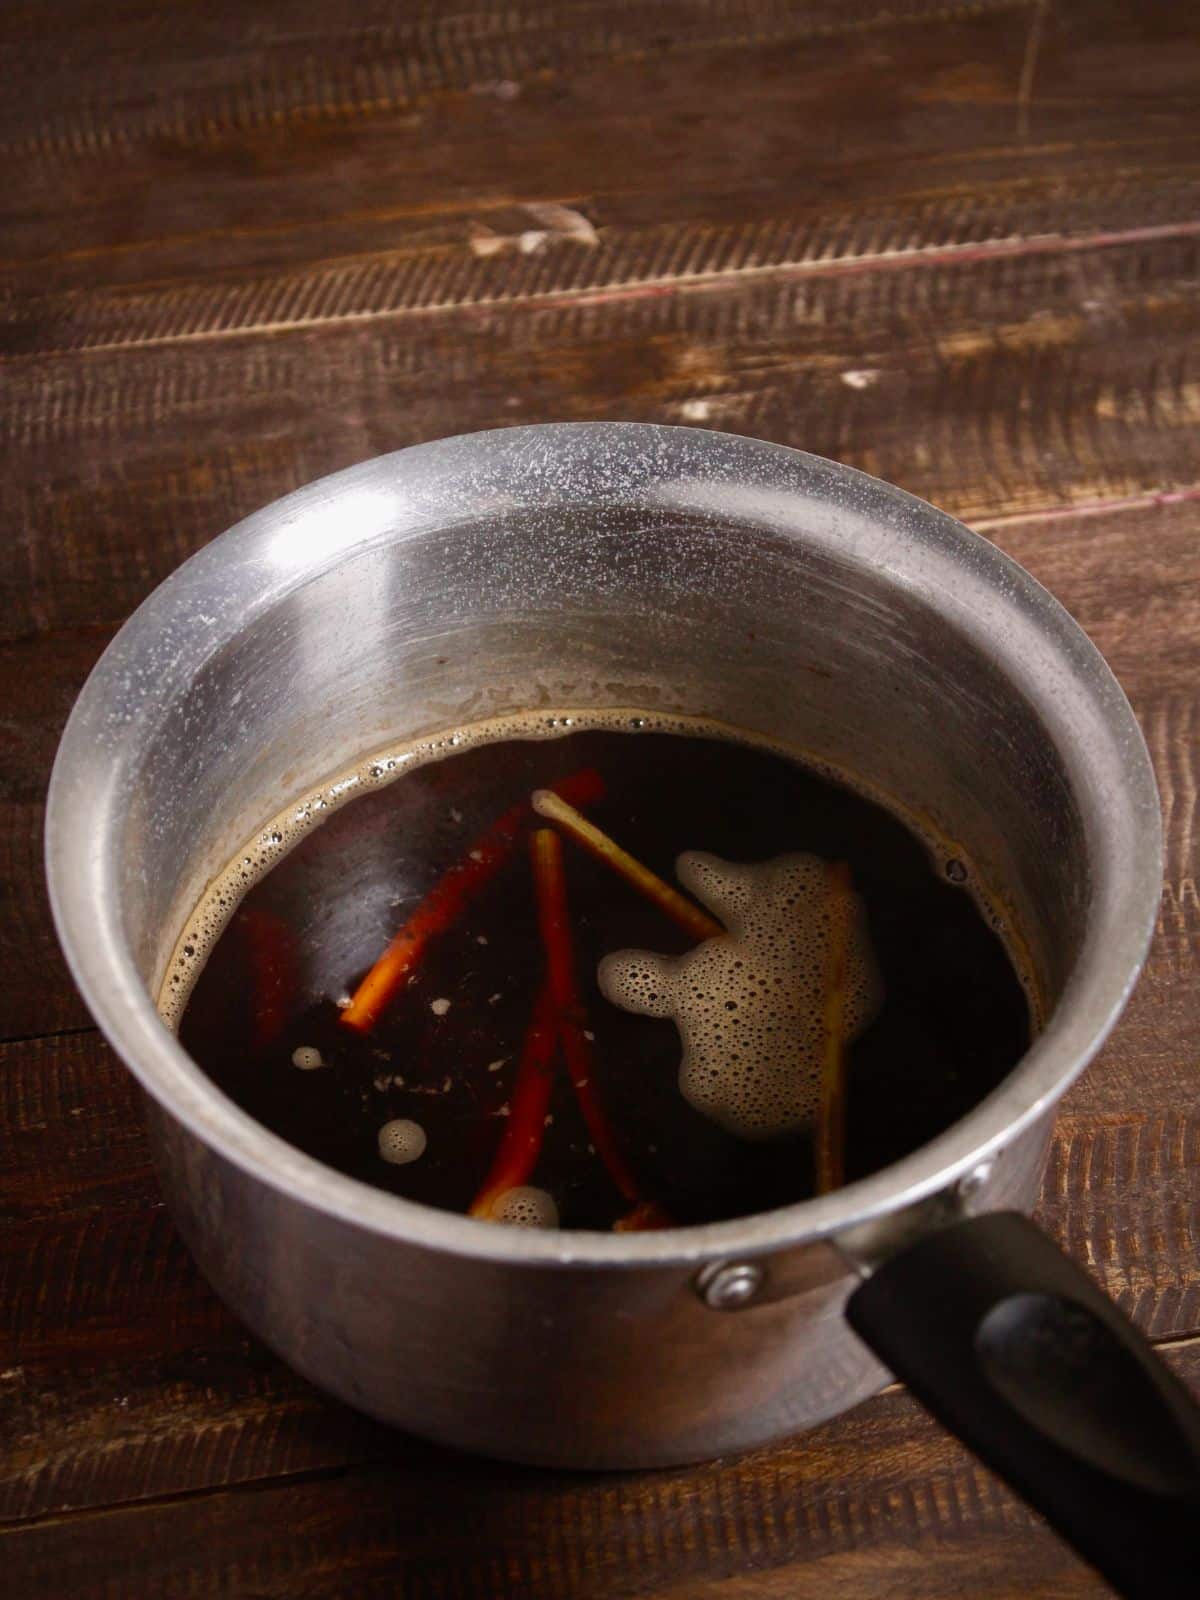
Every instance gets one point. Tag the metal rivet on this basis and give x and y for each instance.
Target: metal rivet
(729, 1285)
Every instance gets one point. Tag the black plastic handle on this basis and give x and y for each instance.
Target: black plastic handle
(1017, 1351)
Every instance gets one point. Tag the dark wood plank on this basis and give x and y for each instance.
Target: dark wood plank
(872, 1503)
(1119, 1195)
(225, 1413)
(553, 254)
(39, 679)
(73, 1133)
(952, 241)
(204, 76)
(990, 387)
(1140, 602)
(168, 167)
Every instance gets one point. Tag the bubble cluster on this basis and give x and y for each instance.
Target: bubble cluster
(401, 1141)
(525, 1207)
(749, 1006)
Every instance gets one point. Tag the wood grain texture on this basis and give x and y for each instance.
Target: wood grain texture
(875, 107)
(437, 1525)
(39, 679)
(990, 387)
(549, 254)
(312, 64)
(955, 242)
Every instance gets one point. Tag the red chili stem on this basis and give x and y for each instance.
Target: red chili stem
(521, 1142)
(550, 882)
(448, 899)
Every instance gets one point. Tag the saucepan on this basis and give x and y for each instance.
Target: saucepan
(596, 565)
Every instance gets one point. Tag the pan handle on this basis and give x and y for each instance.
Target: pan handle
(1015, 1349)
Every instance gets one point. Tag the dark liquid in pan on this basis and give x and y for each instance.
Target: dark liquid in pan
(953, 1019)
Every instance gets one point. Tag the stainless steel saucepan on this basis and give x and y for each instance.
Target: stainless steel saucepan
(601, 565)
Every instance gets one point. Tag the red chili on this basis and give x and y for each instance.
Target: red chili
(447, 900)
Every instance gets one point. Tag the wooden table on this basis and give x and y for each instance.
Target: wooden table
(954, 242)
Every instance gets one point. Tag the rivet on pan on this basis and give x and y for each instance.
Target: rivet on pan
(729, 1285)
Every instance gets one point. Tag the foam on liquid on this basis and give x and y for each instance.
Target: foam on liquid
(749, 1006)
(525, 1207)
(401, 1141)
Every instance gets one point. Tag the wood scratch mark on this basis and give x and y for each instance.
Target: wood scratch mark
(639, 267)
(1090, 508)
(1033, 43)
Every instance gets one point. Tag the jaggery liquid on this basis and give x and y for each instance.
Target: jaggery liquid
(295, 923)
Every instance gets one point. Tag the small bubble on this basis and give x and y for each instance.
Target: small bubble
(525, 1207)
(401, 1141)
(956, 870)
